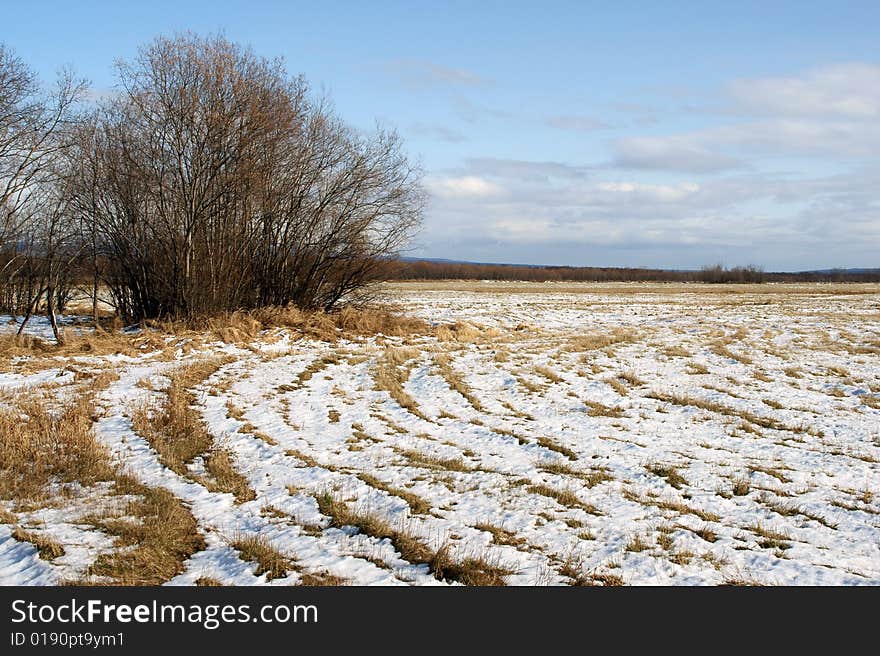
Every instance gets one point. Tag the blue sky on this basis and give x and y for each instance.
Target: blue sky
(671, 134)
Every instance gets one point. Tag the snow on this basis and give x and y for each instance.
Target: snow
(39, 326)
(821, 495)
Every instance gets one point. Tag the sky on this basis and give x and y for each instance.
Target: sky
(673, 135)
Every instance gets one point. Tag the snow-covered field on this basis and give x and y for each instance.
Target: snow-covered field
(550, 434)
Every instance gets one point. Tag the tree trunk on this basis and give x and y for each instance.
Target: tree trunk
(31, 307)
(94, 283)
(50, 312)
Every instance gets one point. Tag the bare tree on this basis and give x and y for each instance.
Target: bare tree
(35, 130)
(216, 182)
(30, 126)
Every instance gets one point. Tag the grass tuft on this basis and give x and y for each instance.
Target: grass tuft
(667, 472)
(257, 549)
(47, 548)
(152, 548)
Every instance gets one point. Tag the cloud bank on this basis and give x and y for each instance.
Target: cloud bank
(783, 172)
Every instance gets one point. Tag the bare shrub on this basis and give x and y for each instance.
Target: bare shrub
(216, 181)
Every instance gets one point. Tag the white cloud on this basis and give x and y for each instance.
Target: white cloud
(778, 221)
(523, 170)
(468, 186)
(798, 137)
(692, 197)
(849, 90)
(829, 112)
(739, 145)
(657, 192)
(685, 153)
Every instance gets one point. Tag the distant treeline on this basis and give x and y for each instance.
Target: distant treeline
(429, 270)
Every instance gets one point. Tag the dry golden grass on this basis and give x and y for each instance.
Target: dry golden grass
(630, 378)
(416, 503)
(506, 431)
(269, 510)
(317, 366)
(667, 472)
(176, 431)
(681, 556)
(770, 471)
(871, 400)
(664, 539)
(547, 443)
(269, 561)
(573, 568)
(597, 409)
(96, 343)
(320, 579)
(429, 461)
(225, 478)
(501, 355)
(40, 445)
(47, 548)
(675, 351)
(763, 376)
(397, 428)
(672, 504)
(529, 385)
(404, 365)
(305, 458)
(178, 435)
(740, 581)
(464, 332)
(234, 411)
(349, 322)
(565, 498)
(516, 412)
(770, 538)
(720, 349)
(268, 439)
(696, 368)
(706, 533)
(591, 342)
(618, 386)
(455, 381)
(390, 373)
(501, 535)
(637, 544)
(793, 372)
(472, 570)
(153, 548)
(592, 477)
(723, 390)
(208, 582)
(788, 509)
(469, 571)
(719, 408)
(741, 487)
(548, 373)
